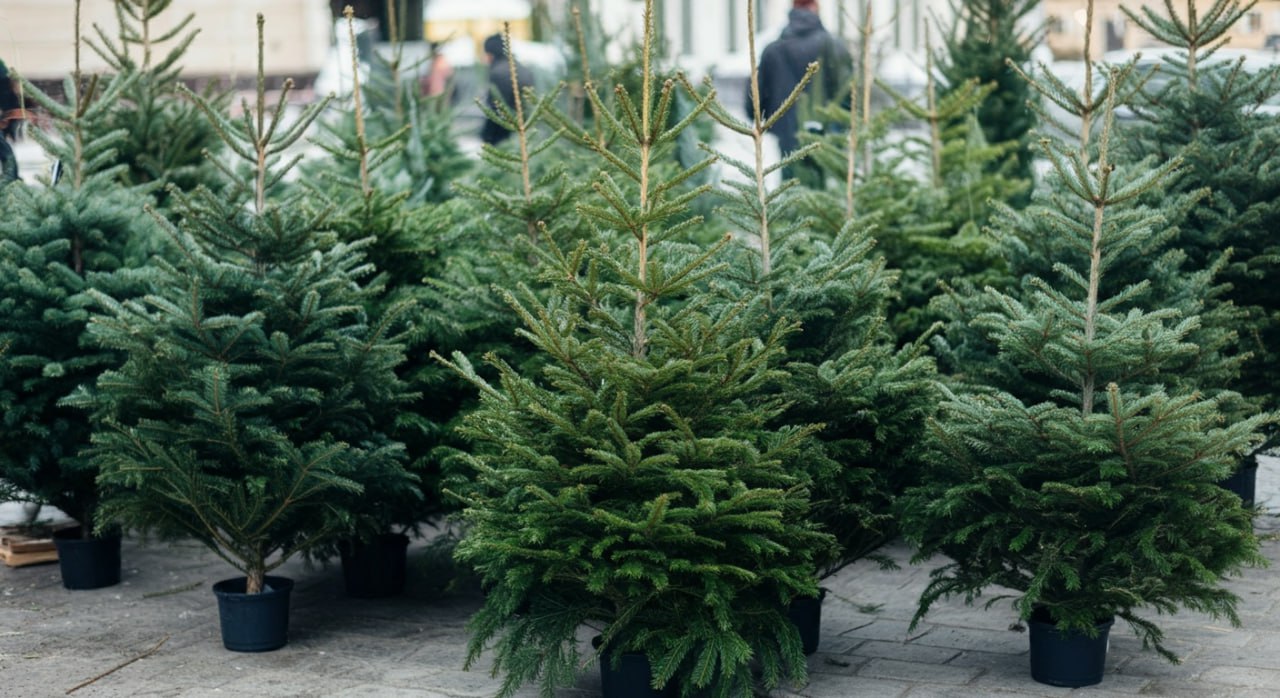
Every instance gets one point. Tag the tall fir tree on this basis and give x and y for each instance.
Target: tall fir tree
(1031, 244)
(1097, 494)
(844, 367)
(1204, 110)
(253, 406)
(76, 232)
(401, 229)
(523, 196)
(635, 483)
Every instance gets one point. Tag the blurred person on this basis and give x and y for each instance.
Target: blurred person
(439, 73)
(782, 65)
(11, 115)
(493, 132)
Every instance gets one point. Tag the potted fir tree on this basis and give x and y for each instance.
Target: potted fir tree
(76, 232)
(240, 416)
(634, 484)
(1092, 493)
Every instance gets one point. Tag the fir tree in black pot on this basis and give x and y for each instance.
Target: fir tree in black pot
(242, 416)
(634, 484)
(1096, 497)
(77, 232)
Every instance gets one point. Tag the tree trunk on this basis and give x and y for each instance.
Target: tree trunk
(255, 579)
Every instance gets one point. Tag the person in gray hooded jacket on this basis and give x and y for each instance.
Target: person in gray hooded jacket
(783, 63)
(493, 132)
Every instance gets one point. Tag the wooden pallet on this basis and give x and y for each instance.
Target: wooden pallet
(20, 545)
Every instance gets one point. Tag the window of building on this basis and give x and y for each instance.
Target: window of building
(1252, 23)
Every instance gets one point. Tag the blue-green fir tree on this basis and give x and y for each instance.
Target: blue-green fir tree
(1208, 111)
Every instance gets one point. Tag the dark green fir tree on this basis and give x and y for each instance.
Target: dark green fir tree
(844, 368)
(253, 406)
(164, 136)
(986, 40)
(1208, 111)
(426, 159)
(77, 231)
(1097, 497)
(634, 484)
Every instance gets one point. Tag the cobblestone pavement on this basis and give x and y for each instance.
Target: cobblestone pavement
(52, 639)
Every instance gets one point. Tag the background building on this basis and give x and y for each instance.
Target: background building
(36, 36)
(1113, 31)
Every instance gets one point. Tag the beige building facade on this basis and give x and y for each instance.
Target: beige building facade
(1065, 23)
(37, 36)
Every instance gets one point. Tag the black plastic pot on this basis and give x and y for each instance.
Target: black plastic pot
(87, 563)
(1070, 659)
(631, 678)
(254, 622)
(806, 614)
(374, 569)
(1243, 482)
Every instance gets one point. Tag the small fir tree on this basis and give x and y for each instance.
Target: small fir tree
(1099, 498)
(251, 409)
(59, 241)
(925, 199)
(426, 159)
(635, 483)
(936, 237)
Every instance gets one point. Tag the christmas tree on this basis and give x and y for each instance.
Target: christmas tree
(1032, 243)
(1205, 110)
(1096, 494)
(844, 368)
(926, 198)
(253, 405)
(986, 40)
(635, 483)
(425, 159)
(164, 137)
(74, 233)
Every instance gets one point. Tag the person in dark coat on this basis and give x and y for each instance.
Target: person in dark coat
(11, 114)
(783, 63)
(493, 132)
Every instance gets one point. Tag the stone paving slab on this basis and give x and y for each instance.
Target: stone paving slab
(52, 639)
